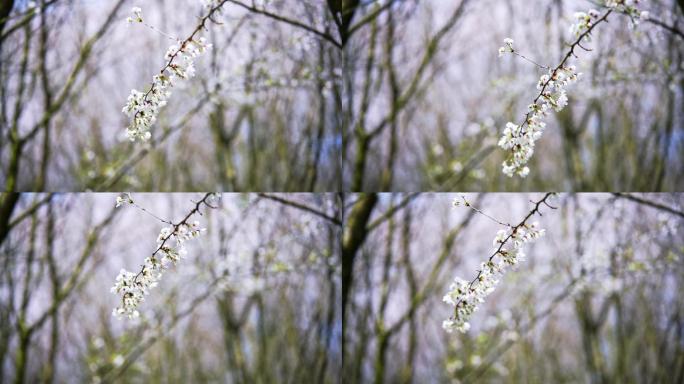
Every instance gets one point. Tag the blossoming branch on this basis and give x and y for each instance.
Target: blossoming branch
(143, 107)
(465, 296)
(133, 287)
(520, 139)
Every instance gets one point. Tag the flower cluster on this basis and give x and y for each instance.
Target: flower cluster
(136, 17)
(124, 198)
(584, 21)
(170, 249)
(507, 47)
(520, 139)
(465, 296)
(628, 7)
(143, 107)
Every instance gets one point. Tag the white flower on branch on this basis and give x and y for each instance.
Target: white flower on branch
(133, 294)
(628, 7)
(136, 17)
(507, 47)
(124, 198)
(133, 287)
(143, 107)
(520, 139)
(465, 296)
(583, 21)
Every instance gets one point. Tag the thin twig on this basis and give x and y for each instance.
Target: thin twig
(326, 36)
(649, 203)
(301, 206)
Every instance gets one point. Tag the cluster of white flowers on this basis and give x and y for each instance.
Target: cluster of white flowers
(143, 107)
(628, 7)
(170, 249)
(465, 296)
(520, 139)
(586, 20)
(507, 47)
(136, 17)
(124, 198)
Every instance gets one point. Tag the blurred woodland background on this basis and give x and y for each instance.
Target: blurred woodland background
(391, 95)
(598, 299)
(259, 115)
(429, 97)
(256, 300)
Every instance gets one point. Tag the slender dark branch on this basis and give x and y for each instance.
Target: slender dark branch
(394, 209)
(187, 217)
(369, 17)
(649, 203)
(529, 60)
(29, 211)
(26, 17)
(303, 207)
(483, 213)
(326, 36)
(149, 212)
(670, 28)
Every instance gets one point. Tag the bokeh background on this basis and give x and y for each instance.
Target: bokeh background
(259, 115)
(392, 95)
(256, 300)
(598, 300)
(431, 97)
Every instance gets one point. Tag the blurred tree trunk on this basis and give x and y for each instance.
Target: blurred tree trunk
(8, 202)
(407, 371)
(316, 145)
(387, 176)
(356, 230)
(383, 335)
(670, 118)
(571, 148)
(5, 9)
(232, 329)
(223, 141)
(343, 13)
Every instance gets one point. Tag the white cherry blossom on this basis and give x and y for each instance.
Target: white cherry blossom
(466, 296)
